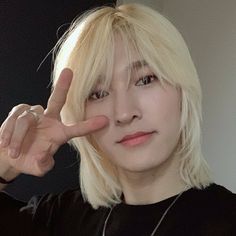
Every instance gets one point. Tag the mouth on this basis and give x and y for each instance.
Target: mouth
(136, 139)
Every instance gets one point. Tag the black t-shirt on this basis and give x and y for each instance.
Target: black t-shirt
(207, 212)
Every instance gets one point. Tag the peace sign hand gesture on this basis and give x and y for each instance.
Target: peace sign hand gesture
(30, 135)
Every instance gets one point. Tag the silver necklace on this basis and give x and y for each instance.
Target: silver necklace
(159, 222)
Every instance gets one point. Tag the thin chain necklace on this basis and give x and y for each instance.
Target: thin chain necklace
(159, 222)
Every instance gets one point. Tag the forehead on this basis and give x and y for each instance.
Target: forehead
(127, 57)
(131, 67)
(124, 61)
(125, 54)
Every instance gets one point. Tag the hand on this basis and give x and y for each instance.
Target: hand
(30, 139)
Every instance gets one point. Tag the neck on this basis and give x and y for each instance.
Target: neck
(151, 186)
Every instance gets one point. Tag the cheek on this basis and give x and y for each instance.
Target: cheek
(95, 109)
(103, 142)
(100, 136)
(162, 109)
(171, 110)
(171, 120)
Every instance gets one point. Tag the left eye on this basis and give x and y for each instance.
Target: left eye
(146, 80)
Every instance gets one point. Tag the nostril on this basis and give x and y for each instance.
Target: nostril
(127, 118)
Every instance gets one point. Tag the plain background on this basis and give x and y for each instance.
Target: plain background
(209, 28)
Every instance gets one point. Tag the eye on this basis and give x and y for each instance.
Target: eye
(146, 80)
(97, 95)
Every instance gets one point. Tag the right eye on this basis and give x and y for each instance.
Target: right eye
(97, 95)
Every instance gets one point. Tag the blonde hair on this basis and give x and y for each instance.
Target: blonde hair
(88, 49)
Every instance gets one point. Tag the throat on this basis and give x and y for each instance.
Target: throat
(148, 189)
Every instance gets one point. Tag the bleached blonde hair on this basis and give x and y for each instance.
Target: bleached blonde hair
(88, 49)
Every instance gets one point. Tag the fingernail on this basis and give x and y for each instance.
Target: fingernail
(12, 153)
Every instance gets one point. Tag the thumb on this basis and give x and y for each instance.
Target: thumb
(86, 127)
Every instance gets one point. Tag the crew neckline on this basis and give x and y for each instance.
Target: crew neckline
(164, 201)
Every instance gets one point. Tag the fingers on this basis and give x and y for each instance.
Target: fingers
(59, 93)
(22, 124)
(8, 125)
(86, 127)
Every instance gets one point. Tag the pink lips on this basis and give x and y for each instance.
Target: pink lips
(135, 139)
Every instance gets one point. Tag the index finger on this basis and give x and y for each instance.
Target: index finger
(86, 127)
(59, 93)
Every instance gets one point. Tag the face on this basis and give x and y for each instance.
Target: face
(140, 107)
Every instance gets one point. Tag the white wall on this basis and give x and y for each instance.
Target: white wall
(209, 27)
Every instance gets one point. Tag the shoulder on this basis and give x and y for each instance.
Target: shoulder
(223, 199)
(67, 213)
(213, 208)
(214, 202)
(214, 196)
(68, 198)
(219, 190)
(56, 204)
(220, 195)
(64, 211)
(64, 214)
(214, 193)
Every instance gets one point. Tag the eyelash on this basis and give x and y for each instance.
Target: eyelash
(101, 92)
(154, 77)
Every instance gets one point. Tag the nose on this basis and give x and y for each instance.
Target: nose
(126, 109)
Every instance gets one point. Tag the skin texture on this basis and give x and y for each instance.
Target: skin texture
(147, 171)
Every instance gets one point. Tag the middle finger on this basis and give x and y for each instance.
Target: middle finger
(8, 125)
(23, 124)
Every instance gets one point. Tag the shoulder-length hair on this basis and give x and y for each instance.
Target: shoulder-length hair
(88, 49)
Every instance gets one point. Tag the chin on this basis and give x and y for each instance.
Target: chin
(141, 166)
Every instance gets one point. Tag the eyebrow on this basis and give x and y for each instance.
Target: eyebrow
(132, 66)
(136, 65)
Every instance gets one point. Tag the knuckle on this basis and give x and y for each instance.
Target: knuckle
(19, 107)
(13, 114)
(38, 108)
(23, 120)
(22, 106)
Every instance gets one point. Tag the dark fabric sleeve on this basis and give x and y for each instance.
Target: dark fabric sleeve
(37, 217)
(15, 216)
(51, 214)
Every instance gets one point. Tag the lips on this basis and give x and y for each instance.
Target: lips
(136, 138)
